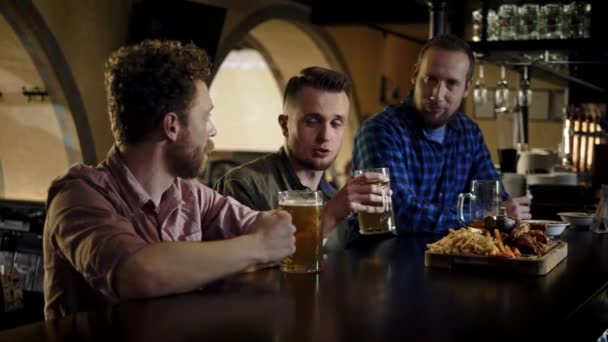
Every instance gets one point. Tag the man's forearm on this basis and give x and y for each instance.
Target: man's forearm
(328, 223)
(176, 267)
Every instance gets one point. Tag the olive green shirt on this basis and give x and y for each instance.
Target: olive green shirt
(257, 184)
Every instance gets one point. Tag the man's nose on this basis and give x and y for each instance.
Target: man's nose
(213, 130)
(439, 91)
(324, 132)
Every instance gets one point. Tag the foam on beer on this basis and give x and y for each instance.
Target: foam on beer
(300, 203)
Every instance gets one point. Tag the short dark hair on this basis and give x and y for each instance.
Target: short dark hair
(149, 79)
(318, 78)
(452, 43)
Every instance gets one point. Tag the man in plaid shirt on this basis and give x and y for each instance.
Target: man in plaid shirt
(433, 151)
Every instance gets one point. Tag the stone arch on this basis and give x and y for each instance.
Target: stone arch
(54, 71)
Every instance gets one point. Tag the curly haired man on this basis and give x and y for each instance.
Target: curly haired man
(137, 225)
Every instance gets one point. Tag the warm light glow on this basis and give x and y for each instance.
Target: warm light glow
(575, 146)
(38, 140)
(566, 137)
(590, 143)
(247, 102)
(584, 137)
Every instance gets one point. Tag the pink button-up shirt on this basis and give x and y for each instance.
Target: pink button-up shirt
(99, 216)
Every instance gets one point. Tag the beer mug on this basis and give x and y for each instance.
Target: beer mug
(508, 20)
(600, 220)
(306, 208)
(550, 21)
(528, 20)
(485, 200)
(378, 223)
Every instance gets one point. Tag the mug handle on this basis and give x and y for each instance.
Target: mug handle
(460, 207)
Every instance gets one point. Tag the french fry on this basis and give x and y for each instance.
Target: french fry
(501, 247)
(494, 253)
(516, 252)
(509, 251)
(470, 241)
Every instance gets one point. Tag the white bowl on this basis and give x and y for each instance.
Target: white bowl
(554, 228)
(558, 178)
(577, 218)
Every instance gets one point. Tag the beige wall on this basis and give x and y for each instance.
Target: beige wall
(87, 31)
(362, 51)
(31, 134)
(369, 55)
(399, 59)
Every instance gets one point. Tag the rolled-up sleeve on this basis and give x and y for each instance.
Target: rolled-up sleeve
(238, 189)
(91, 236)
(224, 217)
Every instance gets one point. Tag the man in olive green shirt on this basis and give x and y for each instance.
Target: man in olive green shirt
(258, 183)
(316, 108)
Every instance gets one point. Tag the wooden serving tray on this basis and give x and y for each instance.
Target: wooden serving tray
(532, 265)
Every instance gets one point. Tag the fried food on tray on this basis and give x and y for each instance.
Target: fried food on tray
(529, 239)
(525, 239)
(465, 241)
(516, 252)
(539, 236)
(520, 229)
(501, 246)
(477, 224)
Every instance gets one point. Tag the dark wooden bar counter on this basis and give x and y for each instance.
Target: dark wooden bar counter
(378, 291)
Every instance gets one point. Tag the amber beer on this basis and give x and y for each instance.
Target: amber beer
(378, 223)
(305, 208)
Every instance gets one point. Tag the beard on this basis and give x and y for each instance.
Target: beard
(435, 122)
(188, 162)
(314, 165)
(432, 120)
(424, 108)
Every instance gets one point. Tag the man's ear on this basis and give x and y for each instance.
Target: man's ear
(415, 74)
(170, 126)
(283, 120)
(467, 87)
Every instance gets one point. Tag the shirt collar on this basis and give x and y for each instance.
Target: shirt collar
(134, 189)
(291, 177)
(288, 172)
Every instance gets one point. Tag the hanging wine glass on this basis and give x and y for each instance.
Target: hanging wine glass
(501, 95)
(480, 93)
(524, 94)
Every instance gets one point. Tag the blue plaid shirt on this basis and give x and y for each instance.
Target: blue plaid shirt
(426, 176)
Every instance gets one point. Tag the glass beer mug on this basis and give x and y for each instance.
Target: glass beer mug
(378, 223)
(600, 220)
(306, 208)
(485, 200)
